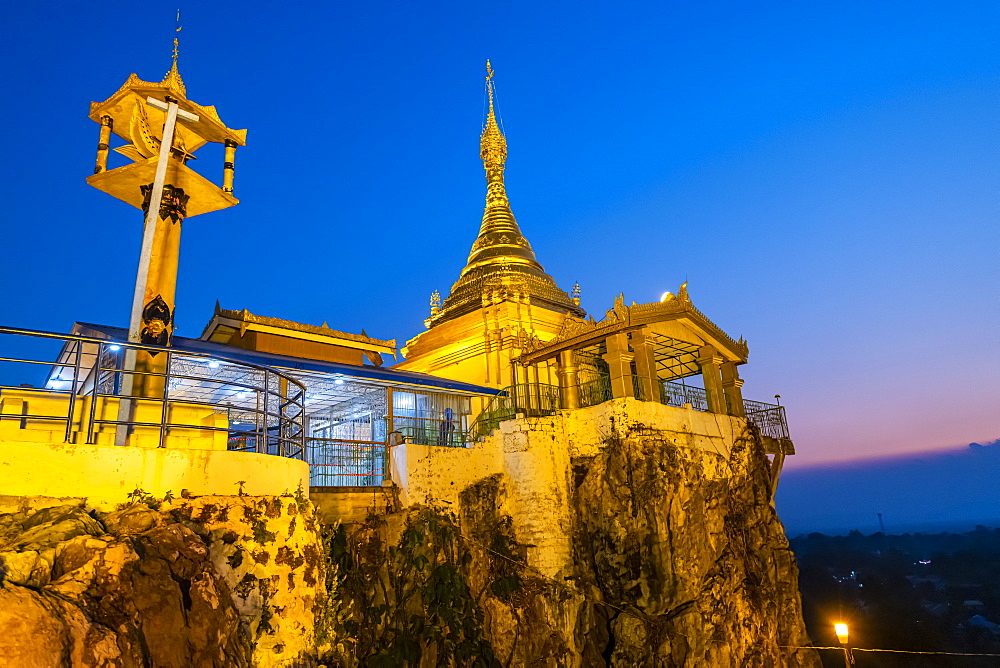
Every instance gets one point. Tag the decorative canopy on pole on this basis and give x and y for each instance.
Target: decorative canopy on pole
(162, 130)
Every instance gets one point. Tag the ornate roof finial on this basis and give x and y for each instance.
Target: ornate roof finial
(575, 293)
(173, 77)
(492, 144)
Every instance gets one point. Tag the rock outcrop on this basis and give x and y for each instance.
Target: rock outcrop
(678, 559)
(208, 581)
(643, 547)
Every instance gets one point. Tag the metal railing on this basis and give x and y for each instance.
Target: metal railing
(428, 431)
(114, 392)
(345, 463)
(595, 391)
(769, 419)
(674, 394)
(531, 399)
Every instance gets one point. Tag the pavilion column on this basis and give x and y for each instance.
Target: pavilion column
(731, 384)
(619, 361)
(710, 362)
(568, 379)
(229, 166)
(645, 366)
(103, 145)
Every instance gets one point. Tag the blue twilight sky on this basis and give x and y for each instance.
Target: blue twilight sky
(823, 173)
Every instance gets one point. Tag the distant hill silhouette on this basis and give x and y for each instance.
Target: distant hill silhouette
(951, 490)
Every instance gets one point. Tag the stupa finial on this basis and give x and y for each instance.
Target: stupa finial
(173, 77)
(492, 144)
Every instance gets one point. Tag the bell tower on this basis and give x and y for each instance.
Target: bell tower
(502, 298)
(162, 129)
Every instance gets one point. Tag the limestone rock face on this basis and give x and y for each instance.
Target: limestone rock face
(676, 558)
(208, 581)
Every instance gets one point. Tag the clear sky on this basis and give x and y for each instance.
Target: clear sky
(823, 173)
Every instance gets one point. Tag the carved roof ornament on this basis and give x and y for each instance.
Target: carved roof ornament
(245, 317)
(577, 333)
(137, 113)
(501, 255)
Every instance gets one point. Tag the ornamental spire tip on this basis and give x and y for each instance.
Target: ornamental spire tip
(492, 144)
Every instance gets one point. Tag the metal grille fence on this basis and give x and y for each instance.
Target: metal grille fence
(674, 394)
(595, 391)
(341, 463)
(769, 419)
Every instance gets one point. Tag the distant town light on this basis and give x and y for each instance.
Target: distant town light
(841, 631)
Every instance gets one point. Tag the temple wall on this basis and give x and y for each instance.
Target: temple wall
(105, 475)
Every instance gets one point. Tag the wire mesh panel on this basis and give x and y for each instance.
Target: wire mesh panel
(430, 418)
(347, 444)
(339, 463)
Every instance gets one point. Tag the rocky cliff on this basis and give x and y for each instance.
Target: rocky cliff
(210, 581)
(678, 559)
(673, 556)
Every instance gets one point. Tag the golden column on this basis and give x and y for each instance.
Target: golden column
(731, 384)
(162, 129)
(710, 362)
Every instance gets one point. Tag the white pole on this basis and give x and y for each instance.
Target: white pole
(149, 228)
(138, 297)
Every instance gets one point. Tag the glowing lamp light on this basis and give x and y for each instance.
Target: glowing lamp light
(213, 364)
(841, 631)
(339, 381)
(114, 347)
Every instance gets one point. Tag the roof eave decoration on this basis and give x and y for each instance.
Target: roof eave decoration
(245, 316)
(577, 333)
(119, 107)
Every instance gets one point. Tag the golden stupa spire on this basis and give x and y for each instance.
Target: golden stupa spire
(501, 258)
(173, 77)
(492, 144)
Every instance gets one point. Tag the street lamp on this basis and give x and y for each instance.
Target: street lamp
(841, 630)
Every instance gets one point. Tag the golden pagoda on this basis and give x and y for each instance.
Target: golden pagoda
(503, 296)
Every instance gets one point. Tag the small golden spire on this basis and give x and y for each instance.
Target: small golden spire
(492, 144)
(173, 78)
